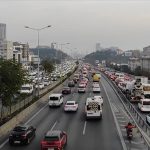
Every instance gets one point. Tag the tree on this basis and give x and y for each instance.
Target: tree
(47, 65)
(12, 76)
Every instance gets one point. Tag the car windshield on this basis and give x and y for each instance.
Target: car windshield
(147, 95)
(51, 138)
(70, 103)
(19, 129)
(25, 88)
(53, 98)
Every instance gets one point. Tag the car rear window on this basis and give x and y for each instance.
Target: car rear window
(51, 138)
(69, 103)
(19, 129)
(54, 98)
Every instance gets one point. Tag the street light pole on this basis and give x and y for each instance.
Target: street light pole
(38, 35)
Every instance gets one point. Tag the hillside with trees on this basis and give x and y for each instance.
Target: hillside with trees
(49, 53)
(108, 55)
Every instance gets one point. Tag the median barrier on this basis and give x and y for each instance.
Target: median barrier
(18, 118)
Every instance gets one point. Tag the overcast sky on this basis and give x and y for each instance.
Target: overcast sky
(83, 23)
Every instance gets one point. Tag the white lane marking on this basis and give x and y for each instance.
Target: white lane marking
(6, 141)
(36, 114)
(122, 121)
(115, 119)
(120, 117)
(133, 142)
(84, 128)
(53, 126)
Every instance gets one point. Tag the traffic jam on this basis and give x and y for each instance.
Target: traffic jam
(135, 88)
(79, 82)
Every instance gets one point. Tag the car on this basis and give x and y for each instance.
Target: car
(66, 90)
(71, 106)
(96, 88)
(99, 97)
(54, 79)
(22, 134)
(71, 84)
(46, 82)
(54, 140)
(82, 88)
(95, 84)
(41, 86)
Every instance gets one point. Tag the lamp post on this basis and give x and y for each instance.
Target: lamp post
(38, 34)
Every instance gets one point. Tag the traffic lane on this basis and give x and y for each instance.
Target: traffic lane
(101, 134)
(73, 122)
(43, 122)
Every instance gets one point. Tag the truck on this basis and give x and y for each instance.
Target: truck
(138, 92)
(96, 77)
(93, 108)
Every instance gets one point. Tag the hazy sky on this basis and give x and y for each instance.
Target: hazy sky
(122, 23)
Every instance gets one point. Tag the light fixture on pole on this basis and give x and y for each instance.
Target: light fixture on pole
(38, 31)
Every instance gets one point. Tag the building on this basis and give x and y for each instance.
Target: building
(145, 63)
(128, 53)
(119, 51)
(2, 32)
(98, 47)
(24, 49)
(133, 63)
(6, 50)
(17, 53)
(146, 51)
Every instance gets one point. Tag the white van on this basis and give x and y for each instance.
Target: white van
(93, 108)
(26, 89)
(144, 105)
(55, 99)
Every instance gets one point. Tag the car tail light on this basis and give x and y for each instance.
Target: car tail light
(24, 136)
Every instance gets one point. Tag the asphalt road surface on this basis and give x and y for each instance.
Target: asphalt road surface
(82, 134)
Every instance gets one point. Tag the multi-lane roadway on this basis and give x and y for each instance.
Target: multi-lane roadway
(82, 134)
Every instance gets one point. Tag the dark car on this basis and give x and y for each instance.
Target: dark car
(75, 80)
(71, 84)
(22, 134)
(55, 140)
(66, 90)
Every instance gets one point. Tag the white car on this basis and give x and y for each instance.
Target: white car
(95, 84)
(71, 106)
(99, 97)
(41, 86)
(46, 82)
(96, 89)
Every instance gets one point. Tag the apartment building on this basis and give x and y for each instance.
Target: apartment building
(133, 63)
(6, 49)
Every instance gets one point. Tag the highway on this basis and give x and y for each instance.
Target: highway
(82, 134)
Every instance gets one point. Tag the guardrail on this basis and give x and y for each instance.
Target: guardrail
(133, 112)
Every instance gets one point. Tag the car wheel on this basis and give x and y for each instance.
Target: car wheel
(28, 141)
(11, 142)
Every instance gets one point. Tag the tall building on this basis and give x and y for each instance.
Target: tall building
(146, 51)
(6, 49)
(98, 46)
(2, 31)
(24, 49)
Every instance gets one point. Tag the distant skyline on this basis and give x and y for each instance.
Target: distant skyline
(120, 23)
